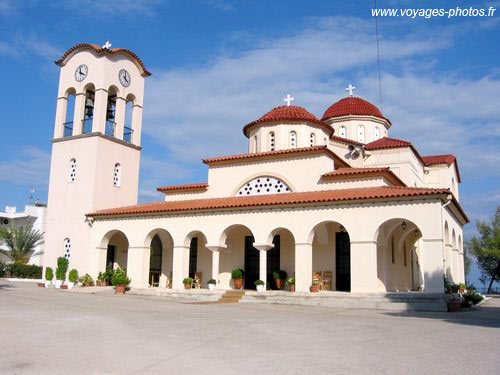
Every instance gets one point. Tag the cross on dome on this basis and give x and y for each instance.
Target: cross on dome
(350, 89)
(107, 45)
(288, 100)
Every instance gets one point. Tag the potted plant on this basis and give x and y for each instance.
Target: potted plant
(291, 283)
(454, 303)
(461, 288)
(86, 280)
(120, 280)
(237, 276)
(260, 285)
(211, 284)
(279, 277)
(454, 288)
(314, 288)
(62, 267)
(447, 285)
(188, 282)
(108, 276)
(49, 275)
(72, 278)
(101, 280)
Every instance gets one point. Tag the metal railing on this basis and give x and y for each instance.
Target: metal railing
(68, 129)
(110, 128)
(127, 134)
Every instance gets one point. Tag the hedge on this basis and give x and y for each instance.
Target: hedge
(21, 271)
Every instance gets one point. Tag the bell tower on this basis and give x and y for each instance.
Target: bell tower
(96, 145)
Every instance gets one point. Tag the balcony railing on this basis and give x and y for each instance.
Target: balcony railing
(68, 129)
(110, 128)
(127, 134)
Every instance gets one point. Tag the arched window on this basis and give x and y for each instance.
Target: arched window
(67, 248)
(128, 130)
(271, 141)
(88, 116)
(70, 111)
(293, 139)
(342, 132)
(117, 175)
(361, 134)
(264, 185)
(72, 170)
(377, 132)
(312, 139)
(110, 112)
(254, 148)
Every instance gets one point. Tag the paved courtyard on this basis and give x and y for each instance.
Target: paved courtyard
(47, 331)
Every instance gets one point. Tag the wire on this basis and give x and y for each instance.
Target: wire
(378, 59)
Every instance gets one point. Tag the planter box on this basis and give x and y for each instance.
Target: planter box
(120, 289)
(64, 286)
(454, 306)
(41, 285)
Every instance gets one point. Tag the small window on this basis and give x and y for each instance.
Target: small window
(67, 248)
(361, 134)
(255, 143)
(312, 139)
(117, 175)
(293, 139)
(342, 132)
(72, 170)
(377, 132)
(271, 141)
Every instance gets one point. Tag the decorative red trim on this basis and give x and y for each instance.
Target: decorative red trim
(348, 172)
(169, 189)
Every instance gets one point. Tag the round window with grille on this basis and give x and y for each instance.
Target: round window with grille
(264, 185)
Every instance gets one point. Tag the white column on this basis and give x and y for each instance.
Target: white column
(215, 249)
(180, 267)
(120, 117)
(364, 267)
(62, 107)
(448, 262)
(263, 248)
(303, 266)
(138, 266)
(136, 124)
(78, 114)
(100, 108)
(432, 265)
(99, 261)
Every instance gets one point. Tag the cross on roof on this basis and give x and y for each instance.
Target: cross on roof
(350, 88)
(288, 100)
(107, 45)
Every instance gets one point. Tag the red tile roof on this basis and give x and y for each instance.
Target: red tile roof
(350, 172)
(447, 159)
(288, 113)
(186, 187)
(277, 153)
(352, 105)
(303, 198)
(386, 142)
(63, 59)
(345, 140)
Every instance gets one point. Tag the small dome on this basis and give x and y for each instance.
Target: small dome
(288, 113)
(352, 105)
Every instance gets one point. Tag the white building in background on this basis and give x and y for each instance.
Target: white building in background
(334, 196)
(33, 215)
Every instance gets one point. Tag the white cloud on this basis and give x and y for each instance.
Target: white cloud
(29, 167)
(107, 8)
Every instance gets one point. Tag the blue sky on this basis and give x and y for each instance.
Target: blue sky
(218, 65)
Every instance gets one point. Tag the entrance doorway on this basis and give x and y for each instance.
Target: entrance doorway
(343, 261)
(110, 256)
(193, 257)
(252, 262)
(155, 261)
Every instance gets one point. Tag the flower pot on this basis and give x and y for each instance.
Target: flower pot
(292, 288)
(187, 286)
(260, 288)
(71, 285)
(64, 286)
(314, 288)
(238, 283)
(211, 286)
(120, 289)
(454, 289)
(41, 285)
(461, 290)
(279, 284)
(454, 306)
(48, 283)
(58, 284)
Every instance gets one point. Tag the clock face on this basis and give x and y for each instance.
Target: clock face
(124, 77)
(81, 72)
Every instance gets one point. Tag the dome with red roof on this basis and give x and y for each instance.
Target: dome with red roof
(352, 105)
(288, 113)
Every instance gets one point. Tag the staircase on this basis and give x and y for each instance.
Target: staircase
(232, 296)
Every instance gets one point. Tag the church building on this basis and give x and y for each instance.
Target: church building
(332, 197)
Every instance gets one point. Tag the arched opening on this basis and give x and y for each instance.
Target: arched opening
(128, 129)
(312, 140)
(447, 250)
(342, 132)
(88, 114)
(281, 257)
(69, 112)
(254, 145)
(161, 258)
(399, 255)
(454, 257)
(272, 143)
(238, 240)
(200, 258)
(67, 248)
(361, 133)
(116, 243)
(72, 170)
(331, 256)
(111, 111)
(377, 132)
(117, 175)
(293, 139)
(263, 185)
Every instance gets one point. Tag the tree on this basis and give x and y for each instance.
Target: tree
(21, 242)
(486, 249)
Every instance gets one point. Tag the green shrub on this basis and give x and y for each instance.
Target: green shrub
(280, 275)
(462, 286)
(101, 277)
(120, 278)
(259, 282)
(87, 280)
(62, 268)
(290, 281)
(237, 274)
(73, 276)
(212, 281)
(187, 280)
(108, 275)
(49, 274)
(3, 267)
(24, 271)
(473, 296)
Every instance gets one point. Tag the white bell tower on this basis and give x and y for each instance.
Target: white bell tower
(96, 146)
